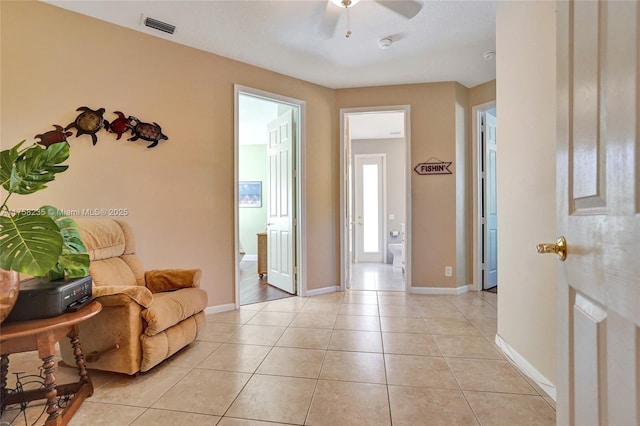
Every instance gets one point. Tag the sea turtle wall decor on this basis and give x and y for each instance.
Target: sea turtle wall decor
(120, 125)
(53, 136)
(146, 131)
(89, 122)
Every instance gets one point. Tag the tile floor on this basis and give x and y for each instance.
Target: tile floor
(354, 358)
(376, 276)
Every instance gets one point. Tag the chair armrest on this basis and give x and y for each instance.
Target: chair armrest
(121, 295)
(172, 279)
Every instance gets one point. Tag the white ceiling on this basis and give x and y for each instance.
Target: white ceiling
(445, 41)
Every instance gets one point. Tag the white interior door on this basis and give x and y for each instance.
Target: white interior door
(369, 207)
(598, 213)
(280, 213)
(490, 204)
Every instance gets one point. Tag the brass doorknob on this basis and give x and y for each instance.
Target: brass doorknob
(559, 248)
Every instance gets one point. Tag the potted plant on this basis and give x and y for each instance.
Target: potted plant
(40, 242)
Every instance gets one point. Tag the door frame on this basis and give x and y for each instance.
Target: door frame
(383, 210)
(345, 147)
(299, 246)
(476, 157)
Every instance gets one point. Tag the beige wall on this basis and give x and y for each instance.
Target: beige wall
(525, 34)
(482, 93)
(179, 194)
(433, 134)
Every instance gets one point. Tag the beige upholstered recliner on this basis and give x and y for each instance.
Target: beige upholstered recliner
(146, 316)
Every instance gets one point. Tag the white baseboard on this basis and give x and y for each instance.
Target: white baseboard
(323, 290)
(527, 368)
(454, 291)
(250, 257)
(219, 308)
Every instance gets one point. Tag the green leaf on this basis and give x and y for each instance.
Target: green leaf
(29, 171)
(29, 243)
(73, 261)
(7, 160)
(74, 265)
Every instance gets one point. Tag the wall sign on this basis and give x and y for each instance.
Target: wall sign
(433, 166)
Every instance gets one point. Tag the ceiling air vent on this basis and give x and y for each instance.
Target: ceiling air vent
(159, 25)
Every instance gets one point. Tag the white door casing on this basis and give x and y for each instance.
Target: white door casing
(598, 213)
(369, 211)
(490, 204)
(280, 213)
(348, 185)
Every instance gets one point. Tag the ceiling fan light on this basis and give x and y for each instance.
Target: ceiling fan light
(345, 3)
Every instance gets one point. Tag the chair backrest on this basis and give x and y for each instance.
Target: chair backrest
(111, 247)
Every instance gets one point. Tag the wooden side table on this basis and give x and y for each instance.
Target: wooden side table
(262, 254)
(42, 335)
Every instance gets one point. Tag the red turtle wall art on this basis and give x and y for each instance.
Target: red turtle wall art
(120, 125)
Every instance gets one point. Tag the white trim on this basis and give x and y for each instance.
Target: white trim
(219, 308)
(250, 257)
(454, 291)
(300, 178)
(477, 190)
(526, 368)
(323, 290)
(344, 235)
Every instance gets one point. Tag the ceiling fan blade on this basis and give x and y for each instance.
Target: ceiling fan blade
(329, 20)
(406, 8)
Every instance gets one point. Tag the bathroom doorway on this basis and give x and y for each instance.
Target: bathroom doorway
(268, 144)
(375, 198)
(485, 177)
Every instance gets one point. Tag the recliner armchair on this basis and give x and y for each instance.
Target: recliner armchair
(146, 316)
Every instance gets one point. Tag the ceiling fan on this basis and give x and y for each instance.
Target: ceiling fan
(406, 8)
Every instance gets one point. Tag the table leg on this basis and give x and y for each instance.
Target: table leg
(51, 392)
(80, 362)
(4, 371)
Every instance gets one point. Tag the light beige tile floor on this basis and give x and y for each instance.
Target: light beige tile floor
(354, 358)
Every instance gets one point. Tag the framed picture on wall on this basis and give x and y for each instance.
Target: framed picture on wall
(250, 194)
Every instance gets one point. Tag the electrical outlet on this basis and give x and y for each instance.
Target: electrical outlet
(448, 271)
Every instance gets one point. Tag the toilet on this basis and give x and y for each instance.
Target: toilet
(397, 250)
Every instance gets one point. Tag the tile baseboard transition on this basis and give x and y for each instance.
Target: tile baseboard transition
(323, 290)
(454, 291)
(527, 368)
(219, 308)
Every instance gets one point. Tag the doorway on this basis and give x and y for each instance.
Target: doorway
(375, 200)
(268, 214)
(486, 223)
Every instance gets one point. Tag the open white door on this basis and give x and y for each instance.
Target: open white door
(369, 207)
(280, 213)
(598, 213)
(491, 204)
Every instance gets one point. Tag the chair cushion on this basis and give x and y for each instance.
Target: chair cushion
(169, 308)
(159, 280)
